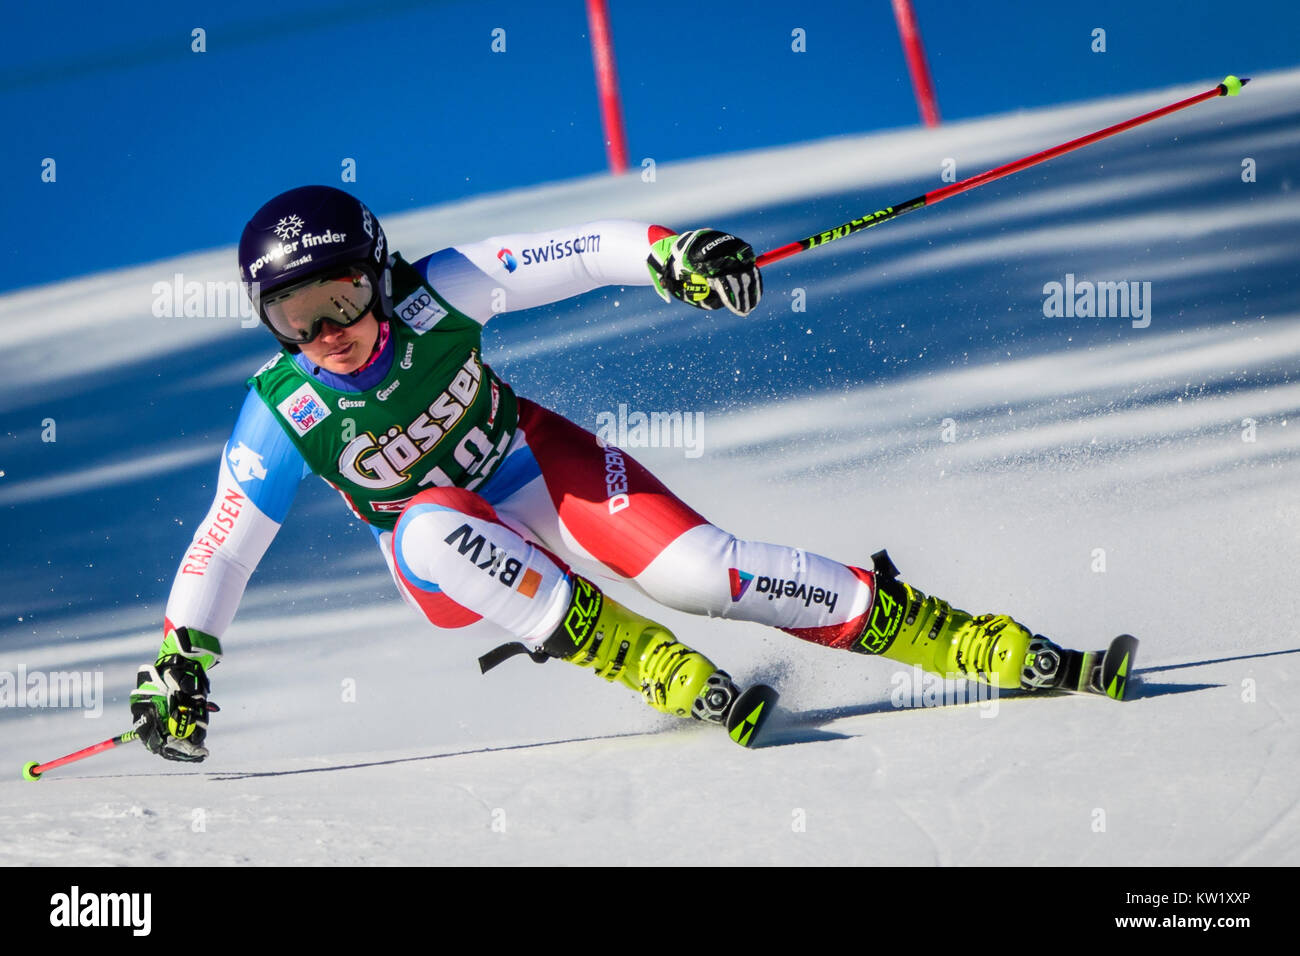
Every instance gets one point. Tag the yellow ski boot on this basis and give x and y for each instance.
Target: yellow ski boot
(620, 645)
(905, 625)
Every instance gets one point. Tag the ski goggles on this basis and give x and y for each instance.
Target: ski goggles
(296, 315)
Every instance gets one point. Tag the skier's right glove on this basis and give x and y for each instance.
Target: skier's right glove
(171, 696)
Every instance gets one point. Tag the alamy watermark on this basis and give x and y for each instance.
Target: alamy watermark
(627, 430)
(77, 909)
(81, 689)
(1106, 299)
(919, 688)
(209, 299)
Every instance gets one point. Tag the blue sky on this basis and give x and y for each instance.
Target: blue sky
(160, 150)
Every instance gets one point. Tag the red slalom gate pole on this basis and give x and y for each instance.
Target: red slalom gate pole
(33, 770)
(611, 107)
(913, 49)
(1231, 86)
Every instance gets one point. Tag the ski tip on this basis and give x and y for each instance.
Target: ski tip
(751, 711)
(1117, 666)
(29, 771)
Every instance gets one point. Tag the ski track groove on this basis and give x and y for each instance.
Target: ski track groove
(1263, 840)
(939, 853)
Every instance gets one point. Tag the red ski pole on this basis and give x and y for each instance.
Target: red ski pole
(33, 770)
(1231, 86)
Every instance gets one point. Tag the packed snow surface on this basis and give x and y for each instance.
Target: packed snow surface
(906, 388)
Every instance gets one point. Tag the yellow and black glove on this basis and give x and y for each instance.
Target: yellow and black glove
(171, 696)
(707, 269)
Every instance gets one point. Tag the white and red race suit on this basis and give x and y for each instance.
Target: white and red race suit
(495, 561)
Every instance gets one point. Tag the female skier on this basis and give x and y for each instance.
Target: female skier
(483, 502)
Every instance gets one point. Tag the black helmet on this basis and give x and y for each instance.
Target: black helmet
(305, 238)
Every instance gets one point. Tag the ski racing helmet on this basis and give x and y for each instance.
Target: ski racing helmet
(311, 255)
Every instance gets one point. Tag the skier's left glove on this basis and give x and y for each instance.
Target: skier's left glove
(707, 269)
(172, 698)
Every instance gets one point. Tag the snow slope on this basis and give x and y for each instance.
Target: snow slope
(1163, 454)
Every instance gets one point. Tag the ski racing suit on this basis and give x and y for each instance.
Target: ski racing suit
(481, 502)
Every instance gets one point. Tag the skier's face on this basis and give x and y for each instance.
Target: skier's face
(341, 350)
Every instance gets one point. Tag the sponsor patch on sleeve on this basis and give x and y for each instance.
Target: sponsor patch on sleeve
(421, 311)
(304, 409)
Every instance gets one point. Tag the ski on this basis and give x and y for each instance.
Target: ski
(1117, 666)
(1105, 672)
(750, 711)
